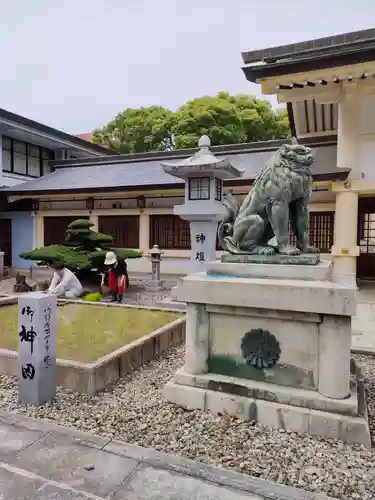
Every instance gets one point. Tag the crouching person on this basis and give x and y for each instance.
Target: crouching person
(64, 284)
(115, 276)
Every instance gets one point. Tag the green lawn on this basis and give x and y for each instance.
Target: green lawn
(87, 332)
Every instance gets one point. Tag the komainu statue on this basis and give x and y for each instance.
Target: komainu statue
(279, 195)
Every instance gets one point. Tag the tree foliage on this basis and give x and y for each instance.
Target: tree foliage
(85, 249)
(137, 130)
(228, 119)
(225, 118)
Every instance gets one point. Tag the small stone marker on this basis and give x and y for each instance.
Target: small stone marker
(37, 348)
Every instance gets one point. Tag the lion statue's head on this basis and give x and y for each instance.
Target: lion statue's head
(295, 156)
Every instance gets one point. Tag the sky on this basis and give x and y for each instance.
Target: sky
(74, 64)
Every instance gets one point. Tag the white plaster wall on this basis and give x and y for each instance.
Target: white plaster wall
(367, 157)
(66, 204)
(320, 201)
(366, 114)
(366, 140)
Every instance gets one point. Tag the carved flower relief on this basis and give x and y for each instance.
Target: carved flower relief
(260, 348)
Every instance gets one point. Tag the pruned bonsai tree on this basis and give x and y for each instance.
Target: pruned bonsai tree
(84, 252)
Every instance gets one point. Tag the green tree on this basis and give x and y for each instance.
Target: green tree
(84, 251)
(228, 119)
(137, 130)
(225, 118)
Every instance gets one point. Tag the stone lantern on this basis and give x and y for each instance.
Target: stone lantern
(203, 174)
(155, 254)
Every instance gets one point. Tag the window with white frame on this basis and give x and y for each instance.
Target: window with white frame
(22, 158)
(6, 154)
(33, 161)
(46, 157)
(19, 158)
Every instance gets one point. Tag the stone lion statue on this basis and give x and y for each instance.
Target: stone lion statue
(279, 195)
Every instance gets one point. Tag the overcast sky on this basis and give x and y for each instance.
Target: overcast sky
(74, 64)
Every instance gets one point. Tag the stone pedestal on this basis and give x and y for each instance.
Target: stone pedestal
(271, 343)
(37, 348)
(203, 233)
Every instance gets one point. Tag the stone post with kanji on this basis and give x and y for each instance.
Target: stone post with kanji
(37, 348)
(203, 174)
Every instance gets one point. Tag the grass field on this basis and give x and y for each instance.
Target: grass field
(87, 332)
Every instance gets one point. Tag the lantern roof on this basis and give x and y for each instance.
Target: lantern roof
(202, 163)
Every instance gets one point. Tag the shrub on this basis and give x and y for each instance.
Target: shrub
(70, 257)
(86, 250)
(80, 224)
(79, 233)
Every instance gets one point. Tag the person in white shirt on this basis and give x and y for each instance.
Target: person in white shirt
(64, 283)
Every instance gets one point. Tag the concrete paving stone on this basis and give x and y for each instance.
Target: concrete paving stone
(366, 295)
(16, 487)
(58, 459)
(84, 438)
(50, 492)
(14, 439)
(207, 473)
(148, 483)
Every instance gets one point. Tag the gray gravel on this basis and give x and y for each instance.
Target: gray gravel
(133, 411)
(137, 294)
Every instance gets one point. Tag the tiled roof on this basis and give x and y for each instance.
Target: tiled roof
(319, 46)
(149, 173)
(86, 137)
(13, 118)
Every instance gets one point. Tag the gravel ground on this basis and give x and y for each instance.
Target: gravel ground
(134, 411)
(139, 295)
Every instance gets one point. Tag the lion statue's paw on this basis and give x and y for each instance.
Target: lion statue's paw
(309, 249)
(289, 250)
(263, 251)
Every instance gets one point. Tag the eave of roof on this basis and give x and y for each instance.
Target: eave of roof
(175, 154)
(185, 153)
(317, 45)
(139, 174)
(340, 174)
(312, 63)
(27, 122)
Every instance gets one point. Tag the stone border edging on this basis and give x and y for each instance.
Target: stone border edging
(366, 351)
(114, 304)
(220, 476)
(89, 378)
(6, 300)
